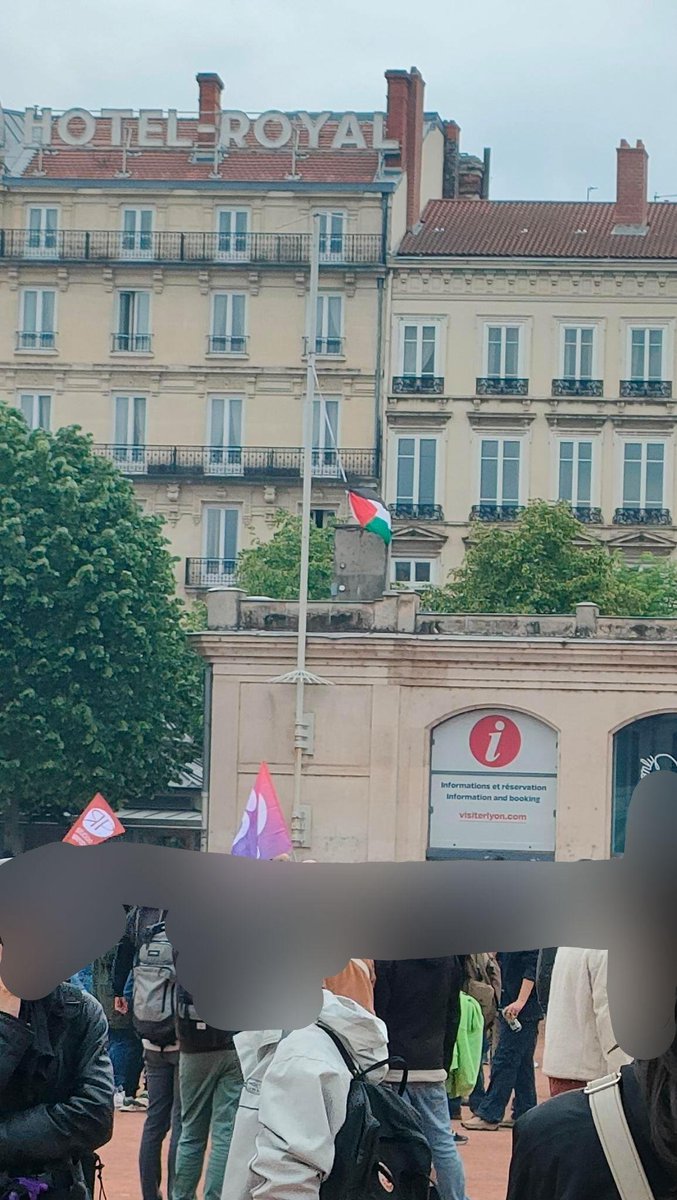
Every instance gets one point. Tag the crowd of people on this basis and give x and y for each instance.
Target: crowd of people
(410, 1047)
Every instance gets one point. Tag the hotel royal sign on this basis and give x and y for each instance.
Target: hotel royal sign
(151, 128)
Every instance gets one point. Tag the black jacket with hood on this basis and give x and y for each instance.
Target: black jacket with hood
(419, 1001)
(56, 1084)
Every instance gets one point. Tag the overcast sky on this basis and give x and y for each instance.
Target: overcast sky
(550, 87)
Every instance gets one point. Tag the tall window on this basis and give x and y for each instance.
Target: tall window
(332, 230)
(42, 231)
(646, 354)
(416, 470)
(133, 322)
(325, 435)
(228, 323)
(232, 233)
(500, 472)
(225, 435)
(130, 433)
(578, 352)
(503, 351)
(419, 350)
(643, 474)
(329, 324)
(220, 543)
(36, 408)
(137, 232)
(575, 473)
(37, 332)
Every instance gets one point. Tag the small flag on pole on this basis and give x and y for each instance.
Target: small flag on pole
(371, 514)
(263, 832)
(96, 824)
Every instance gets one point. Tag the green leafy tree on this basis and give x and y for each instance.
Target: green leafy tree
(99, 687)
(273, 568)
(652, 585)
(536, 566)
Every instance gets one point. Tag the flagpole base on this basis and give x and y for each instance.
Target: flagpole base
(301, 676)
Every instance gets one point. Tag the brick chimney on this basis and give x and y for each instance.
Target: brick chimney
(404, 121)
(210, 85)
(632, 177)
(452, 140)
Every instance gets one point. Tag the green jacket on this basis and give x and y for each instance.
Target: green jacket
(467, 1058)
(102, 979)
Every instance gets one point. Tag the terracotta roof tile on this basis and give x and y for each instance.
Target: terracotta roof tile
(538, 229)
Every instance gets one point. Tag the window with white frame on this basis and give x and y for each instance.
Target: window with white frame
(132, 333)
(38, 314)
(578, 346)
(643, 475)
(225, 435)
(416, 485)
(418, 349)
(36, 408)
(575, 472)
(42, 231)
(220, 543)
(228, 323)
(329, 339)
(129, 432)
(414, 572)
(332, 231)
(500, 472)
(646, 354)
(325, 435)
(232, 233)
(137, 232)
(321, 516)
(503, 351)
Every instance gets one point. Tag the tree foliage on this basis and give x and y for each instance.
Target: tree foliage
(273, 568)
(99, 688)
(539, 566)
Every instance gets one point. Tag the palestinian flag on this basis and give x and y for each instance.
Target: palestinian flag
(371, 513)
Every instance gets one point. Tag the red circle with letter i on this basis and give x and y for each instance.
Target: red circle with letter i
(495, 741)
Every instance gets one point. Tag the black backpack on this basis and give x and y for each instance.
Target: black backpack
(380, 1150)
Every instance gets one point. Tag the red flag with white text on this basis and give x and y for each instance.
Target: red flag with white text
(96, 824)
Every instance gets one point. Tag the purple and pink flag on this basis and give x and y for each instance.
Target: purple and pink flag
(263, 832)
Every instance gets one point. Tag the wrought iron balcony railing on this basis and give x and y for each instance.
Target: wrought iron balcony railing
(26, 340)
(642, 516)
(220, 344)
(495, 512)
(210, 572)
(587, 515)
(418, 385)
(248, 463)
(650, 389)
(578, 387)
(402, 511)
(496, 385)
(258, 249)
(132, 343)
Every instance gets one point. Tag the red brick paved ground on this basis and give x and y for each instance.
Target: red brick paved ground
(486, 1157)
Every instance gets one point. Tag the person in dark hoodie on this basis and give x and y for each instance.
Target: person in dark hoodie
(418, 999)
(210, 1082)
(56, 1092)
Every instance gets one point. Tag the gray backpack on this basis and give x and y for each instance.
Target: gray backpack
(154, 994)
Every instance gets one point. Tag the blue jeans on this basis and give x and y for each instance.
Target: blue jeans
(512, 1070)
(126, 1054)
(430, 1102)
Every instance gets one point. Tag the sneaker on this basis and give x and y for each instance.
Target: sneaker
(460, 1139)
(129, 1104)
(478, 1123)
(118, 1098)
(507, 1123)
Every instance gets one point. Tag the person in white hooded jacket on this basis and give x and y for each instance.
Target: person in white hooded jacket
(294, 1102)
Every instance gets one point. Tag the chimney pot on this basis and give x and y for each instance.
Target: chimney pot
(632, 172)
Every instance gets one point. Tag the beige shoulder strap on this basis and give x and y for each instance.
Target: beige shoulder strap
(617, 1141)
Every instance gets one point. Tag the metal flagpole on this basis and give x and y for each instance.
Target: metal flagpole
(300, 677)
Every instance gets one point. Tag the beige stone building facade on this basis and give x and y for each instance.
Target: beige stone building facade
(439, 737)
(532, 355)
(154, 271)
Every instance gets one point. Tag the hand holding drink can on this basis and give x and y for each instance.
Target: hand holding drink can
(511, 1021)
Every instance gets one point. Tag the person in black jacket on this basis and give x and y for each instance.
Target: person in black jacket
(419, 1001)
(557, 1154)
(56, 1090)
(512, 1067)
